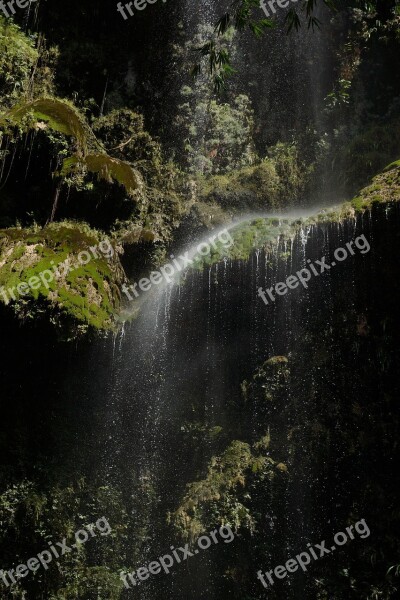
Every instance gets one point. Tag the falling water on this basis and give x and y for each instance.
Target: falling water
(185, 357)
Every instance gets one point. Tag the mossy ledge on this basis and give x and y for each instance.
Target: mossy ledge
(86, 297)
(263, 232)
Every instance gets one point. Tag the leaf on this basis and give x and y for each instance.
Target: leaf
(258, 27)
(313, 22)
(107, 168)
(59, 115)
(196, 70)
(223, 24)
(292, 21)
(228, 70)
(219, 83)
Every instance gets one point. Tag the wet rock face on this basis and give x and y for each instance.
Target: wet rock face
(268, 384)
(288, 411)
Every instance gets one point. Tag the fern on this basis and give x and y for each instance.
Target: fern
(59, 115)
(107, 168)
(63, 117)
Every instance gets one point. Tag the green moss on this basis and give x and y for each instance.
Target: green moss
(221, 496)
(257, 233)
(274, 182)
(385, 187)
(59, 115)
(264, 232)
(87, 293)
(393, 165)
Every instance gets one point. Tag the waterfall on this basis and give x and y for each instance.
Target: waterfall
(184, 360)
(226, 411)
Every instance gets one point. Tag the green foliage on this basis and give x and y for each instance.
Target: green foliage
(218, 136)
(241, 16)
(123, 134)
(308, 7)
(17, 59)
(292, 171)
(244, 14)
(107, 168)
(340, 96)
(276, 182)
(162, 202)
(59, 115)
(63, 117)
(264, 232)
(124, 137)
(245, 189)
(88, 294)
(385, 187)
(221, 497)
(213, 136)
(32, 517)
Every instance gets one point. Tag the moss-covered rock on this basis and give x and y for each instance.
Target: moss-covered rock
(221, 497)
(263, 232)
(249, 187)
(277, 181)
(385, 187)
(35, 278)
(56, 114)
(269, 383)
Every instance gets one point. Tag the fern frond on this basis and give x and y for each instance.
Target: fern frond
(59, 115)
(107, 168)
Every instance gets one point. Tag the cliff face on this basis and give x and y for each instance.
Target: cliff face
(214, 407)
(260, 391)
(77, 152)
(74, 272)
(270, 410)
